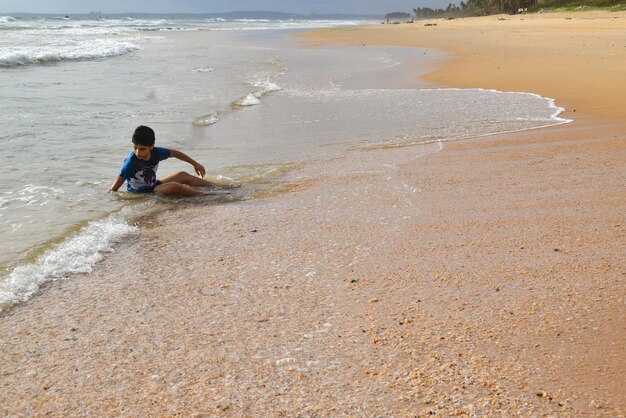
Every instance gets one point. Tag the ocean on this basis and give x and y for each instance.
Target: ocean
(243, 97)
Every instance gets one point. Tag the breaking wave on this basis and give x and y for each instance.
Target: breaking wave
(77, 254)
(82, 50)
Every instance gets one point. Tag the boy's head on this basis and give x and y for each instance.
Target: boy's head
(143, 142)
(143, 135)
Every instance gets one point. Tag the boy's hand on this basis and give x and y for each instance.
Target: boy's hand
(199, 169)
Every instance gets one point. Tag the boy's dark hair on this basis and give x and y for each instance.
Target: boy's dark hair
(143, 135)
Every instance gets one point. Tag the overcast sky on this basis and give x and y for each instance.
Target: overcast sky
(377, 7)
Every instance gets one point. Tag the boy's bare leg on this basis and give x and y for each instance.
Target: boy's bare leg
(177, 189)
(183, 177)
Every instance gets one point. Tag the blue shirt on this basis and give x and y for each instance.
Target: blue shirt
(141, 174)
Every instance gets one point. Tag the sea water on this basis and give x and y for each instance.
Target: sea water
(243, 97)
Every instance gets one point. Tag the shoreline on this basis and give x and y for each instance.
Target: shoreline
(488, 52)
(445, 296)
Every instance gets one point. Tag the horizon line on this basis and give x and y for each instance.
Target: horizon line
(186, 13)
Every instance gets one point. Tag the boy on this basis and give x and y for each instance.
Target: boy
(139, 169)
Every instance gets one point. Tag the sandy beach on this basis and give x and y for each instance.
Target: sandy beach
(576, 58)
(486, 279)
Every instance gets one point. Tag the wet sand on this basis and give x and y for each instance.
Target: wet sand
(487, 279)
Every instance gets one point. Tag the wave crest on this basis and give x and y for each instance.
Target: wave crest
(76, 255)
(86, 50)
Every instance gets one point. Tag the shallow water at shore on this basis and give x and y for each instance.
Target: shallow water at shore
(248, 105)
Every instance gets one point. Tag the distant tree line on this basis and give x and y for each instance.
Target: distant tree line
(475, 8)
(397, 16)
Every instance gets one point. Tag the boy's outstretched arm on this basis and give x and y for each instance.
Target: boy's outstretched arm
(199, 168)
(116, 185)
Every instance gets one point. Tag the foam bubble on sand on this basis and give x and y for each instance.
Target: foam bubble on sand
(77, 254)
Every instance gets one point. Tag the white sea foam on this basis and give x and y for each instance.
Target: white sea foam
(202, 70)
(77, 254)
(553, 119)
(539, 122)
(80, 50)
(28, 195)
(249, 100)
(390, 61)
(252, 99)
(218, 24)
(267, 86)
(226, 181)
(259, 24)
(207, 120)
